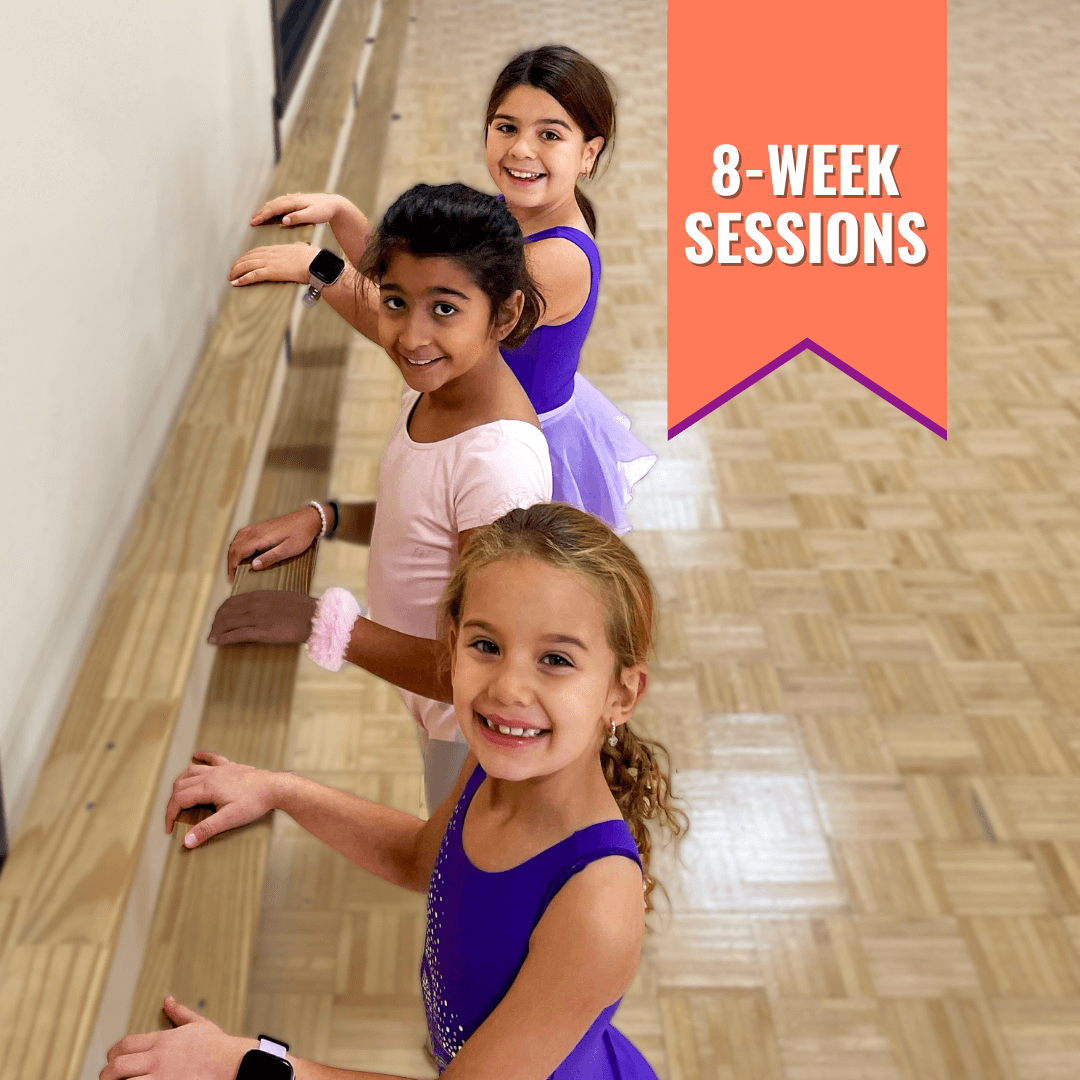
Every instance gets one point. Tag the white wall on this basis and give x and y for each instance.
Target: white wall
(135, 140)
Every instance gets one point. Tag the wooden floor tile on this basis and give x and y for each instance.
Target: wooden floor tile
(917, 958)
(1023, 956)
(932, 744)
(726, 1034)
(892, 877)
(835, 1040)
(991, 878)
(812, 957)
(866, 808)
(948, 1039)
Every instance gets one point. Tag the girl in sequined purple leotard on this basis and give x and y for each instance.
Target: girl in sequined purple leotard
(534, 865)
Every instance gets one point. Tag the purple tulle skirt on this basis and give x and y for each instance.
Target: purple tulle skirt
(595, 459)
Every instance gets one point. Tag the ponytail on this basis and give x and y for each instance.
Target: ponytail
(638, 773)
(586, 208)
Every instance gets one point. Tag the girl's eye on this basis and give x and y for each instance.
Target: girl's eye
(394, 303)
(484, 646)
(551, 136)
(505, 129)
(553, 659)
(443, 308)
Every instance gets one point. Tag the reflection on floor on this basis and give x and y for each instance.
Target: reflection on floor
(868, 671)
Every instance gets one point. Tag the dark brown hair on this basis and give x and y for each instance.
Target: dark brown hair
(477, 231)
(577, 84)
(637, 769)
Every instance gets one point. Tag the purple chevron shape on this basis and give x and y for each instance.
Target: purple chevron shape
(780, 361)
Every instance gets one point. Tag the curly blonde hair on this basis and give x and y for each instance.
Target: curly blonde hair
(637, 768)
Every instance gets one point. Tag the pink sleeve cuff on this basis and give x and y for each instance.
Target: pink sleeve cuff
(331, 627)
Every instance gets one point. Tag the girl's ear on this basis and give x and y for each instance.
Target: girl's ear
(589, 153)
(508, 314)
(625, 694)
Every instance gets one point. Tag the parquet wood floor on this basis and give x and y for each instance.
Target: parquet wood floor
(869, 662)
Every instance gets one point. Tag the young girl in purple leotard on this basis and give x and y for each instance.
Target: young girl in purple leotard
(534, 865)
(550, 119)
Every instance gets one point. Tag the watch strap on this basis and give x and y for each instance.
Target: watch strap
(269, 1045)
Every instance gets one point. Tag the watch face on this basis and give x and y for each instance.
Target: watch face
(326, 266)
(259, 1065)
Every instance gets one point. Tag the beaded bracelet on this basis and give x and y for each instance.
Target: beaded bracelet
(322, 516)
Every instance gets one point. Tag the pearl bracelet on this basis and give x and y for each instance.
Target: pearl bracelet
(322, 516)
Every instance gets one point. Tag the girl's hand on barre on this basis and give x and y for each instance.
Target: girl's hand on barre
(279, 262)
(239, 793)
(275, 540)
(268, 617)
(299, 209)
(194, 1047)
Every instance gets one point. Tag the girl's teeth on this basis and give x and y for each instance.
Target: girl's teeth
(528, 733)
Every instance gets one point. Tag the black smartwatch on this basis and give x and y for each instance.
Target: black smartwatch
(268, 1062)
(323, 270)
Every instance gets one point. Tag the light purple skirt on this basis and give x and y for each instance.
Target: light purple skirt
(595, 459)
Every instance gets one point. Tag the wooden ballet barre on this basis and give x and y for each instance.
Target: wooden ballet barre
(66, 891)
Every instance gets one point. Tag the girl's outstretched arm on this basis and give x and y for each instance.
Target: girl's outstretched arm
(281, 538)
(420, 665)
(270, 617)
(197, 1047)
(398, 847)
(347, 222)
(352, 296)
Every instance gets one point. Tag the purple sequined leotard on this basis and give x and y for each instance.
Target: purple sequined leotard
(478, 930)
(595, 460)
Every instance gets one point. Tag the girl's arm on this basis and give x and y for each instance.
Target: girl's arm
(283, 537)
(349, 225)
(352, 296)
(391, 844)
(420, 665)
(197, 1047)
(270, 617)
(563, 275)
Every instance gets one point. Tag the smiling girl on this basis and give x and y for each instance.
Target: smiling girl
(536, 865)
(448, 266)
(550, 119)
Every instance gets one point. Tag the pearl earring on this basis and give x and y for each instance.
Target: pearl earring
(611, 739)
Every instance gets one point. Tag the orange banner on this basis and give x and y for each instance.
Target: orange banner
(807, 199)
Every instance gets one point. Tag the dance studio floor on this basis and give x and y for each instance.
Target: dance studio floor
(869, 659)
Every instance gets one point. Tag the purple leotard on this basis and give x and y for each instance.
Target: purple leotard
(478, 930)
(595, 460)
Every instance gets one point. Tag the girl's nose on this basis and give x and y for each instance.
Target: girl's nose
(414, 334)
(512, 685)
(523, 146)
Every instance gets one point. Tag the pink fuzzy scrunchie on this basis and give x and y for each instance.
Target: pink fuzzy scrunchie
(331, 627)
